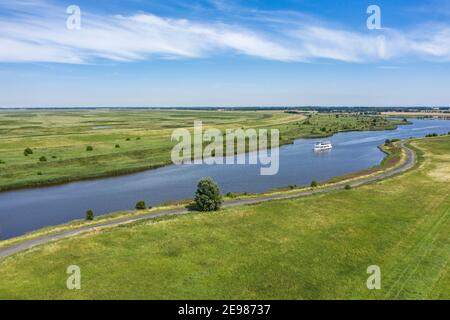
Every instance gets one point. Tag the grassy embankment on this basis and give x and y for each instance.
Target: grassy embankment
(142, 136)
(395, 156)
(280, 249)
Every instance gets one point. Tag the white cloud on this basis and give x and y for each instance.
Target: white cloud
(36, 32)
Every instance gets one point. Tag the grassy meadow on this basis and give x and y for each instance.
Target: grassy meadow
(317, 247)
(125, 141)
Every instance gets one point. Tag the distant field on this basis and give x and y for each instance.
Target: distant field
(142, 138)
(417, 114)
(317, 247)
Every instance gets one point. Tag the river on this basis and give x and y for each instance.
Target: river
(26, 210)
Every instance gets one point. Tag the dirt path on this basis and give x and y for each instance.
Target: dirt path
(409, 163)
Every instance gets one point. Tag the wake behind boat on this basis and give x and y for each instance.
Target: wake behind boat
(322, 146)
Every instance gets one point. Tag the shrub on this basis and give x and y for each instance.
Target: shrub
(27, 152)
(89, 148)
(348, 187)
(89, 215)
(314, 184)
(2, 162)
(39, 173)
(207, 197)
(127, 139)
(138, 138)
(42, 159)
(387, 142)
(53, 157)
(140, 205)
(117, 146)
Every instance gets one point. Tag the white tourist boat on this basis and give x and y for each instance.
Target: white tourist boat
(323, 145)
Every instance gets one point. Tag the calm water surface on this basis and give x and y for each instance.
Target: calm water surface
(27, 210)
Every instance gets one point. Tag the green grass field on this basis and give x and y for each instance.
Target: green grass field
(143, 137)
(317, 247)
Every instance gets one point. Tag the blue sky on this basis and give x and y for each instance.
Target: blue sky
(224, 53)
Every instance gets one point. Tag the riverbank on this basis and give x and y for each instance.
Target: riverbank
(125, 142)
(280, 249)
(396, 159)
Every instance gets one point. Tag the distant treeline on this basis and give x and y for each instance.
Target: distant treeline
(330, 109)
(255, 108)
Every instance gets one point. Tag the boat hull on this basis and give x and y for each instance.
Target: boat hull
(322, 146)
(322, 149)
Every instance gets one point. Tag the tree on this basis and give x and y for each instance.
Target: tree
(348, 187)
(27, 152)
(140, 205)
(89, 148)
(207, 197)
(314, 184)
(117, 146)
(42, 159)
(89, 215)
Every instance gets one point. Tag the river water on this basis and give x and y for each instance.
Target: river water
(27, 210)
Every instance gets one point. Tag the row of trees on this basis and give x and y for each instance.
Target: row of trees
(28, 151)
(207, 198)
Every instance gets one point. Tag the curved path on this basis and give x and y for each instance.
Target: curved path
(27, 244)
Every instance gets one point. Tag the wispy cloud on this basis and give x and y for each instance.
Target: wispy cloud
(35, 31)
